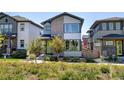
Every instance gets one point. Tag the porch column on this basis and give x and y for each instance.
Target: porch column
(46, 47)
(9, 45)
(101, 47)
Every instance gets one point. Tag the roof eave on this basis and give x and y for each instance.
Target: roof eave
(65, 13)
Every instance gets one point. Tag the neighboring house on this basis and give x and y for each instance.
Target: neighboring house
(67, 26)
(107, 36)
(20, 31)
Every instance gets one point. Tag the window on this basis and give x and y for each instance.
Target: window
(5, 28)
(22, 43)
(111, 26)
(117, 25)
(22, 27)
(72, 45)
(72, 28)
(10, 27)
(47, 29)
(1, 29)
(104, 27)
(109, 43)
(97, 28)
(67, 44)
(6, 20)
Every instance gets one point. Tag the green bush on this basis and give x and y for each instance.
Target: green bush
(89, 60)
(47, 58)
(66, 59)
(105, 69)
(32, 56)
(20, 53)
(75, 59)
(1, 55)
(71, 59)
(50, 58)
(53, 58)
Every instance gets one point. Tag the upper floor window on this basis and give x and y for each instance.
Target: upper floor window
(97, 28)
(118, 25)
(6, 20)
(22, 27)
(48, 28)
(72, 27)
(104, 26)
(1, 28)
(111, 26)
(5, 28)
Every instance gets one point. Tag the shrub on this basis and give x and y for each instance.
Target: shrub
(89, 60)
(20, 53)
(110, 58)
(66, 59)
(32, 56)
(71, 59)
(50, 58)
(47, 58)
(1, 54)
(75, 59)
(105, 69)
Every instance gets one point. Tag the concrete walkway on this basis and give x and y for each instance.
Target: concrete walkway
(99, 61)
(33, 61)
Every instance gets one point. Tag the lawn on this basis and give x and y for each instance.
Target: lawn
(11, 60)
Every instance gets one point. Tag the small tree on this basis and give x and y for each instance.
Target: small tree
(57, 45)
(2, 38)
(36, 48)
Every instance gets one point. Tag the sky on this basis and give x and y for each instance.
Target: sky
(89, 17)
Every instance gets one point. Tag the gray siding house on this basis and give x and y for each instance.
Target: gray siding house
(107, 36)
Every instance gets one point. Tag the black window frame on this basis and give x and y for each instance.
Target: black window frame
(22, 45)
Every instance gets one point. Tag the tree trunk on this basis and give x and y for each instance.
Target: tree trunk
(57, 57)
(35, 60)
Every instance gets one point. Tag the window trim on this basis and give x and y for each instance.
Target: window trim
(22, 27)
(105, 24)
(112, 25)
(116, 25)
(23, 43)
(8, 24)
(79, 48)
(79, 28)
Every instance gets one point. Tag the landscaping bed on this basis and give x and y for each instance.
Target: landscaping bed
(59, 71)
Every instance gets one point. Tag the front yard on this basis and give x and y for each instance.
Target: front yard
(17, 69)
(11, 60)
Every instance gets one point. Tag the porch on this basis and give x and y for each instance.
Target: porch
(112, 44)
(46, 39)
(9, 44)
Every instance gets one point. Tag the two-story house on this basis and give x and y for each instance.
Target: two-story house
(107, 36)
(20, 32)
(67, 26)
